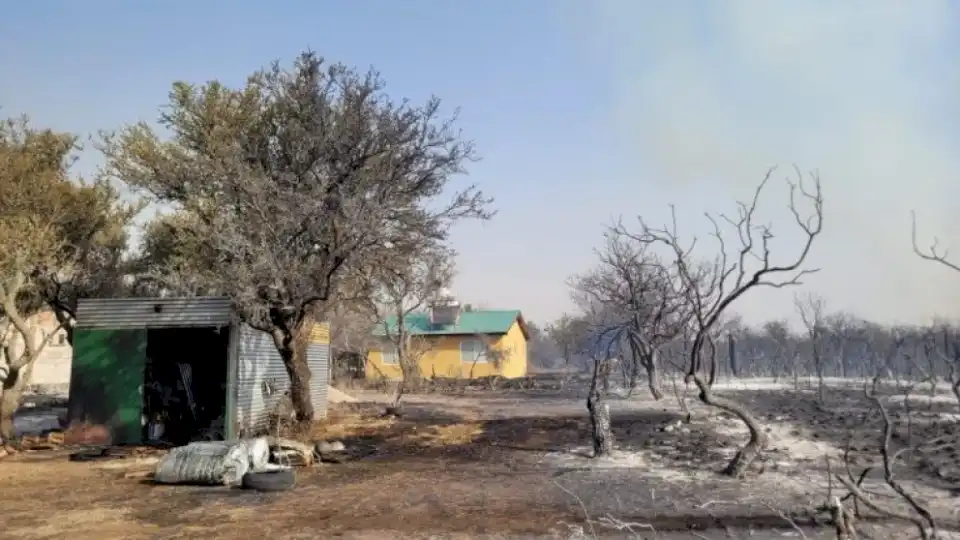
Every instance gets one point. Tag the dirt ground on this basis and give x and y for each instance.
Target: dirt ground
(513, 464)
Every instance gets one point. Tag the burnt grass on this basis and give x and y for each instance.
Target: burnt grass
(455, 466)
(847, 420)
(501, 468)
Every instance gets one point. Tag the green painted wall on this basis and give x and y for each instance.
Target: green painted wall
(106, 379)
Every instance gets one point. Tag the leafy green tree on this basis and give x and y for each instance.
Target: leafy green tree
(284, 186)
(59, 239)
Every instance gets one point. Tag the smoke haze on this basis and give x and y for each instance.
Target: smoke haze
(707, 95)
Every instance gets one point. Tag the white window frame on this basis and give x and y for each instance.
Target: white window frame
(389, 355)
(474, 354)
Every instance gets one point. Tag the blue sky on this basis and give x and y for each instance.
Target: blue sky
(582, 111)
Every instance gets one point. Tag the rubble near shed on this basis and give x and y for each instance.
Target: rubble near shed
(290, 452)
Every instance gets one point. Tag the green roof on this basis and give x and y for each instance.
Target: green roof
(482, 321)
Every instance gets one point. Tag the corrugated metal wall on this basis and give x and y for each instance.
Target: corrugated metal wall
(262, 379)
(116, 313)
(320, 333)
(318, 357)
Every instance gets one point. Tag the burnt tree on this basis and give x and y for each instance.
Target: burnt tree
(712, 284)
(639, 301)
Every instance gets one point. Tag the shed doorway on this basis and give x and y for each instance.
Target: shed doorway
(185, 384)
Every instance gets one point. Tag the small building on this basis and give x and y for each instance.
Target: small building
(454, 342)
(50, 372)
(180, 369)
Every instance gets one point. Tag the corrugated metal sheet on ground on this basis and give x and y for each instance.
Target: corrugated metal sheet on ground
(153, 312)
(261, 379)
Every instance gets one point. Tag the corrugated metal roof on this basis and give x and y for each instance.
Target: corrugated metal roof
(485, 321)
(153, 312)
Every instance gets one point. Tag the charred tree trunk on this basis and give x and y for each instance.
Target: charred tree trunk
(955, 388)
(602, 432)
(821, 385)
(818, 368)
(745, 457)
(649, 358)
(732, 354)
(653, 376)
(293, 351)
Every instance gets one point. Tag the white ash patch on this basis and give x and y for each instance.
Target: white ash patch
(582, 457)
(789, 446)
(919, 398)
(643, 462)
(750, 384)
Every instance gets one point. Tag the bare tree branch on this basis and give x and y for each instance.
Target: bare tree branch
(712, 285)
(933, 252)
(639, 298)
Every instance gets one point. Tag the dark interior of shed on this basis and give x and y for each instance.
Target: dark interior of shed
(185, 386)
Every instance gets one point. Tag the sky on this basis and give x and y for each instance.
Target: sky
(583, 112)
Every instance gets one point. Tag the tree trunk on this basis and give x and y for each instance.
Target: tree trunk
(13, 388)
(606, 381)
(602, 433)
(758, 439)
(293, 351)
(732, 354)
(955, 388)
(409, 378)
(821, 386)
(66, 321)
(653, 378)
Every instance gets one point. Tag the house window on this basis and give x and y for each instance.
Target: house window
(389, 354)
(472, 350)
(60, 339)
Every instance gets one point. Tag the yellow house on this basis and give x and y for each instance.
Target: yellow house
(450, 342)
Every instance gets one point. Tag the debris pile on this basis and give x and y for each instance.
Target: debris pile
(49, 441)
(261, 464)
(31, 443)
(330, 451)
(213, 463)
(291, 453)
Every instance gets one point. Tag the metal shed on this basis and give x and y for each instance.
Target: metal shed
(119, 344)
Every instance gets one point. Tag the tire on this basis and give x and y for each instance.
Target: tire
(279, 480)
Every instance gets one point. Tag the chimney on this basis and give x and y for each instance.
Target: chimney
(445, 310)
